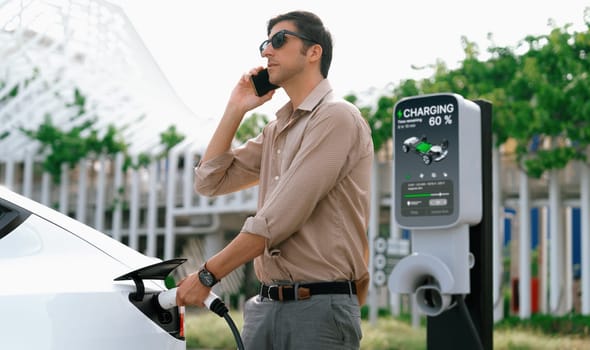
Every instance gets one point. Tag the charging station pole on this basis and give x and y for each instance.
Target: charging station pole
(442, 192)
(447, 331)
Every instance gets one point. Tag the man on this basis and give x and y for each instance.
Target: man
(312, 164)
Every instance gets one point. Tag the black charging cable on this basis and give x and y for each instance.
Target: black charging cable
(218, 307)
(167, 300)
(463, 307)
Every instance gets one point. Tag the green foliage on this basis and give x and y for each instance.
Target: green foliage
(142, 160)
(71, 146)
(79, 102)
(381, 122)
(556, 158)
(170, 138)
(84, 141)
(205, 330)
(381, 312)
(13, 91)
(541, 94)
(251, 127)
(570, 324)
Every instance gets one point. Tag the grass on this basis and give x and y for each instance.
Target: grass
(205, 330)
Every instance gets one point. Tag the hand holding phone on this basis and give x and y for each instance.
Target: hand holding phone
(261, 83)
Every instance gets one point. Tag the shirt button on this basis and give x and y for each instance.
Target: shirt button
(278, 151)
(277, 178)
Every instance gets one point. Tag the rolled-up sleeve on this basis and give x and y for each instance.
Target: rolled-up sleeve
(256, 225)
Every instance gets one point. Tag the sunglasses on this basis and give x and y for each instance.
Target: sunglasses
(278, 39)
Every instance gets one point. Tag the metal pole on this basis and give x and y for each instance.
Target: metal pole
(449, 329)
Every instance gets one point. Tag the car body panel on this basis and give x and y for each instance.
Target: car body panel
(63, 321)
(58, 289)
(109, 246)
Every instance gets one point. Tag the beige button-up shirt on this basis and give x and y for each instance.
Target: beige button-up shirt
(313, 168)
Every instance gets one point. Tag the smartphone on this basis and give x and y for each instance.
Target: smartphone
(261, 84)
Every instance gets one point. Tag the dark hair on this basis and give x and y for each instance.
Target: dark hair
(311, 26)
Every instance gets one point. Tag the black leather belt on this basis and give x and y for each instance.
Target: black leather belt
(288, 292)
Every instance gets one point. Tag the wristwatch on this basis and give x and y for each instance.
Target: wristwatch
(206, 277)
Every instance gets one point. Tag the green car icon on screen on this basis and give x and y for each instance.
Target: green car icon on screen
(427, 151)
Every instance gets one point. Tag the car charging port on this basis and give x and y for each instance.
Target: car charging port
(165, 317)
(172, 319)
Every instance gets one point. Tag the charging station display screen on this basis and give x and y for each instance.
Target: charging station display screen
(426, 160)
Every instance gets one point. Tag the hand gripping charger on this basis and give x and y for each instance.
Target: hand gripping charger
(437, 195)
(167, 300)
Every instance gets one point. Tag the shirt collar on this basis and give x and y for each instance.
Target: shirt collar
(310, 102)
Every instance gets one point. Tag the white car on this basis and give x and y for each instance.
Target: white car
(67, 286)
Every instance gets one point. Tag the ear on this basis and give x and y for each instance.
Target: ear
(314, 53)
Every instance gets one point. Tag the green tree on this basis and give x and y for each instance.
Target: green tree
(558, 67)
(83, 140)
(251, 127)
(71, 146)
(540, 95)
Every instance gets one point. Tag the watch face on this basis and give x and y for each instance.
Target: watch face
(206, 278)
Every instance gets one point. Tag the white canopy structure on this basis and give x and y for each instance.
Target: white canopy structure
(51, 48)
(57, 56)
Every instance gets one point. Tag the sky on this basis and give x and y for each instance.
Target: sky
(203, 47)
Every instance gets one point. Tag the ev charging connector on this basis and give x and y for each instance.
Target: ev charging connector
(167, 300)
(437, 195)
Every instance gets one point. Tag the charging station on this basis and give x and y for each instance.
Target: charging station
(441, 192)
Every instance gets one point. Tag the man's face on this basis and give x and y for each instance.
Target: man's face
(288, 60)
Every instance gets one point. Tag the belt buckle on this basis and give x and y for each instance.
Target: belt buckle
(280, 288)
(270, 289)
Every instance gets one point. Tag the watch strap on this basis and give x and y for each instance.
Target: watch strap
(204, 269)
